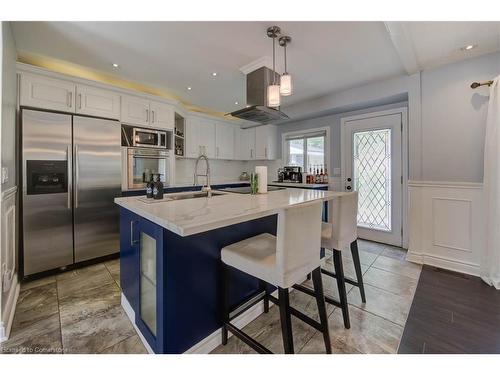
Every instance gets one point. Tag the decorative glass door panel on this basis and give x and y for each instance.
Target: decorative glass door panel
(372, 178)
(372, 166)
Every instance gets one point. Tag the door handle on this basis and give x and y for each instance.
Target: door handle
(153, 117)
(265, 152)
(132, 241)
(348, 182)
(69, 98)
(80, 101)
(77, 170)
(147, 115)
(251, 153)
(217, 151)
(70, 185)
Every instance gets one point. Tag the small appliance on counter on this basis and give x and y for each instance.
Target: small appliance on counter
(244, 176)
(292, 174)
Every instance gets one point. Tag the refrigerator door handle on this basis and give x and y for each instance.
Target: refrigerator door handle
(76, 176)
(69, 177)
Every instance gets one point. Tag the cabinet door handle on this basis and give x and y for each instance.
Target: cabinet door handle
(80, 101)
(217, 151)
(70, 99)
(251, 153)
(265, 152)
(147, 115)
(153, 117)
(132, 241)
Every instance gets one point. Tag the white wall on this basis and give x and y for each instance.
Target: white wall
(454, 119)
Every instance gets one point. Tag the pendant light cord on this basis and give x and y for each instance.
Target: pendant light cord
(274, 66)
(286, 72)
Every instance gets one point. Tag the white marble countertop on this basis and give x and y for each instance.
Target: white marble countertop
(197, 215)
(297, 185)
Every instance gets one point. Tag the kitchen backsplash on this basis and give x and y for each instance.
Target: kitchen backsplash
(222, 171)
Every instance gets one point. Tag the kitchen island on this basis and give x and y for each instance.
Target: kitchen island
(170, 259)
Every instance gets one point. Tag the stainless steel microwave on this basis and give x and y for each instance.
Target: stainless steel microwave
(149, 138)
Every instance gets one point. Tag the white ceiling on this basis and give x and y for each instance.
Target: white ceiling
(323, 57)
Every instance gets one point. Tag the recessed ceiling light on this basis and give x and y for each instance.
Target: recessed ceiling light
(236, 103)
(214, 74)
(115, 65)
(189, 88)
(469, 47)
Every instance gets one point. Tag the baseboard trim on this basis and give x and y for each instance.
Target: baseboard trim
(11, 307)
(129, 311)
(210, 342)
(442, 262)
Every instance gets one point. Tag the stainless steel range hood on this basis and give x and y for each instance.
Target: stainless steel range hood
(258, 111)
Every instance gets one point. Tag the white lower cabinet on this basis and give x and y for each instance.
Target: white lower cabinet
(94, 101)
(47, 93)
(224, 141)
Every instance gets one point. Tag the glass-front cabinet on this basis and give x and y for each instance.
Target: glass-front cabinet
(141, 277)
(147, 282)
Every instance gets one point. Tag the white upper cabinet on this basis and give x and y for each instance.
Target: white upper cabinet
(247, 144)
(97, 102)
(162, 115)
(140, 111)
(237, 143)
(266, 142)
(224, 141)
(206, 138)
(135, 110)
(48, 93)
(191, 137)
(200, 137)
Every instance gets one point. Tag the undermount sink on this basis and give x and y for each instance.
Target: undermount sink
(180, 196)
(200, 194)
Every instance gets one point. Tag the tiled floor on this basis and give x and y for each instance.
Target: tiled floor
(376, 326)
(74, 312)
(79, 312)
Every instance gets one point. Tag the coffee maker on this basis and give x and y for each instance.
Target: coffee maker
(292, 174)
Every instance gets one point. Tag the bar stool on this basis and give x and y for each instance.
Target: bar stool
(339, 233)
(282, 261)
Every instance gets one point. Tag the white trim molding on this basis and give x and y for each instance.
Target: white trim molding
(446, 224)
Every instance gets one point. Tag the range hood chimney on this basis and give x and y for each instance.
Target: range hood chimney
(258, 111)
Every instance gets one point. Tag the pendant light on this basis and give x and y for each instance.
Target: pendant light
(273, 90)
(286, 79)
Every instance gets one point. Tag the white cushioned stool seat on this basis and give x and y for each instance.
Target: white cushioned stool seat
(255, 256)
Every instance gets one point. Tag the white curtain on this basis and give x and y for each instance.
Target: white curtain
(490, 260)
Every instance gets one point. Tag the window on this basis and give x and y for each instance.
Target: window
(306, 150)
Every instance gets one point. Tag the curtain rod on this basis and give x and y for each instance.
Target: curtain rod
(475, 85)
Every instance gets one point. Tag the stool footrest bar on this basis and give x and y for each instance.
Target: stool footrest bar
(240, 309)
(247, 339)
(300, 315)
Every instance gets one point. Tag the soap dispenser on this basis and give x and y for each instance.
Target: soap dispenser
(149, 187)
(158, 188)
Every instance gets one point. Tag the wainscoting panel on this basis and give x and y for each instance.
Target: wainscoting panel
(9, 286)
(446, 223)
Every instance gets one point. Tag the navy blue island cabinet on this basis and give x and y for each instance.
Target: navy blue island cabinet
(172, 283)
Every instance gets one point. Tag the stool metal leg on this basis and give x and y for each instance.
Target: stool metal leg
(357, 267)
(225, 302)
(339, 272)
(263, 287)
(320, 300)
(286, 320)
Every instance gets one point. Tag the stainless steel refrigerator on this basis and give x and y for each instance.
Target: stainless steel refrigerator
(71, 173)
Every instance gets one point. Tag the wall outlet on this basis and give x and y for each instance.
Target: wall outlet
(336, 171)
(5, 175)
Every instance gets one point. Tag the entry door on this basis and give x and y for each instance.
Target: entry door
(372, 167)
